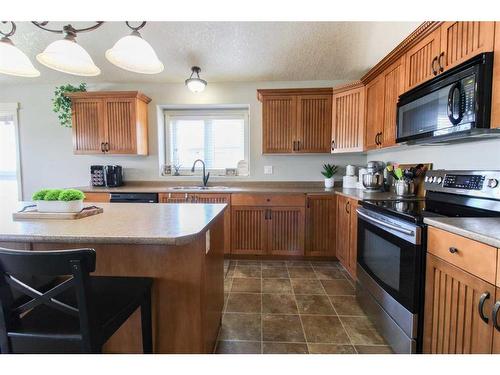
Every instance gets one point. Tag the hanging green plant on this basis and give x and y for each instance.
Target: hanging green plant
(61, 104)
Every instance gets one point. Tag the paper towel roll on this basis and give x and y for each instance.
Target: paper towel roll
(350, 170)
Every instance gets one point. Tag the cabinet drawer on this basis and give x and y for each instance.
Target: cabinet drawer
(97, 197)
(472, 256)
(298, 200)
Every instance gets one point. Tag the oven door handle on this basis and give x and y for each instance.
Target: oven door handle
(396, 228)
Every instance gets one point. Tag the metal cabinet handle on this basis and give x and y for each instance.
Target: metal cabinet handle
(453, 250)
(434, 71)
(106, 146)
(347, 204)
(380, 138)
(294, 146)
(102, 147)
(298, 145)
(333, 144)
(480, 306)
(441, 68)
(494, 315)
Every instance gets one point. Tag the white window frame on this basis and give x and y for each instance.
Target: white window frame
(195, 112)
(12, 109)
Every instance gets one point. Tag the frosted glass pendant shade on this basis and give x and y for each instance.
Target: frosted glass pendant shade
(196, 84)
(14, 62)
(67, 56)
(134, 54)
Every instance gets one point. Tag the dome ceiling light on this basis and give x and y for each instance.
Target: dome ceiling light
(13, 61)
(134, 54)
(66, 55)
(196, 84)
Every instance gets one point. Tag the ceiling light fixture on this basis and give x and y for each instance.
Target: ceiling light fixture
(66, 55)
(196, 84)
(13, 61)
(134, 54)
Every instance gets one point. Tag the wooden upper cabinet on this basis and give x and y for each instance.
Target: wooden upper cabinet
(114, 122)
(461, 40)
(278, 124)
(421, 60)
(348, 119)
(314, 114)
(375, 95)
(87, 120)
(394, 80)
(320, 225)
(452, 321)
(296, 120)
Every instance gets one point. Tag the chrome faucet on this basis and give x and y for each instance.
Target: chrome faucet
(205, 176)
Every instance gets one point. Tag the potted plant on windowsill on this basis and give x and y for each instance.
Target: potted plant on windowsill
(57, 200)
(329, 171)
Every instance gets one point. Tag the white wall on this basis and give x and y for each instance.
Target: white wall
(48, 160)
(472, 155)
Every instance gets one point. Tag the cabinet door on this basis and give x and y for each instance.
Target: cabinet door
(393, 87)
(343, 225)
(314, 123)
(348, 119)
(279, 124)
(461, 40)
(353, 237)
(320, 225)
(121, 132)
(248, 230)
(286, 230)
(452, 323)
(496, 333)
(174, 197)
(420, 58)
(375, 112)
(97, 197)
(88, 126)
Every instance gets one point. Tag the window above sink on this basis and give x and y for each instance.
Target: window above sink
(217, 135)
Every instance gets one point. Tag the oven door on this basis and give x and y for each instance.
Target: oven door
(389, 251)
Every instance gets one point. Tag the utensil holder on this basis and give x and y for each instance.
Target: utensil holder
(404, 188)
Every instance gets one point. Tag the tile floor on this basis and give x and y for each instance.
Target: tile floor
(293, 307)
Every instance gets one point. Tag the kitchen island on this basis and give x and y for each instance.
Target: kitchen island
(180, 246)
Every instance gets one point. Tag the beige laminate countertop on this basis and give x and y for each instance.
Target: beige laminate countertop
(482, 229)
(240, 187)
(127, 223)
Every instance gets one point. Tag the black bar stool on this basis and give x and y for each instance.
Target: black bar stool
(71, 313)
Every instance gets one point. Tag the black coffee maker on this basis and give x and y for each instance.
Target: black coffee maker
(114, 175)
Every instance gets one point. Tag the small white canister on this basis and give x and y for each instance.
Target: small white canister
(350, 170)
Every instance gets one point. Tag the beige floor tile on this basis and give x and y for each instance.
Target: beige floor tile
(347, 305)
(276, 286)
(279, 304)
(361, 331)
(282, 328)
(307, 286)
(246, 285)
(314, 304)
(249, 262)
(331, 349)
(238, 347)
(340, 287)
(298, 263)
(301, 273)
(374, 349)
(227, 284)
(241, 327)
(273, 263)
(328, 273)
(244, 302)
(284, 348)
(275, 273)
(247, 271)
(324, 329)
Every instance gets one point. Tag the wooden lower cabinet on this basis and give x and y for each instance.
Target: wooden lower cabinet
(347, 233)
(286, 229)
(496, 332)
(452, 321)
(320, 225)
(248, 230)
(97, 197)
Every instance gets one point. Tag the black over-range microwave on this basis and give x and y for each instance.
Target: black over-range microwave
(453, 106)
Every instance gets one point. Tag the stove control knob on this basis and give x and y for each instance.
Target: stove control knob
(439, 179)
(427, 179)
(492, 183)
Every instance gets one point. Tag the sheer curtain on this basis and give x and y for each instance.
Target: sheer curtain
(9, 168)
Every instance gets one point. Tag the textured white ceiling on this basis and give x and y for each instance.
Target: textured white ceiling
(231, 51)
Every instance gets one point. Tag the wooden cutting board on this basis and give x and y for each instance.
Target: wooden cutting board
(33, 214)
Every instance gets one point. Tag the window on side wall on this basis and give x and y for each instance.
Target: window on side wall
(218, 136)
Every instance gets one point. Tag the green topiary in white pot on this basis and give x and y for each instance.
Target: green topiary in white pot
(57, 200)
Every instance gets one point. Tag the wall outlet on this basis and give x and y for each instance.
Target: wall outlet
(268, 169)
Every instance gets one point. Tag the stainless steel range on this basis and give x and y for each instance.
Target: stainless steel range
(392, 245)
